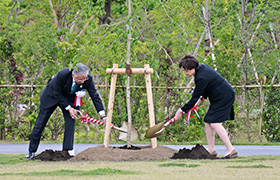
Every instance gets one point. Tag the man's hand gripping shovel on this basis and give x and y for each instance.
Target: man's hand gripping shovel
(158, 129)
(123, 130)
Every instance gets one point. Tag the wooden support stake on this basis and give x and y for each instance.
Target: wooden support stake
(133, 71)
(110, 108)
(150, 103)
(114, 71)
(261, 107)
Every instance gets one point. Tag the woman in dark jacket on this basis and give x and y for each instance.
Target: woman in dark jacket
(210, 84)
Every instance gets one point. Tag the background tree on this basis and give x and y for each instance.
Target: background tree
(42, 37)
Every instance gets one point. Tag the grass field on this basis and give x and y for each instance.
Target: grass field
(15, 166)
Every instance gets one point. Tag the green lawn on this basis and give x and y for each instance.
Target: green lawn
(245, 167)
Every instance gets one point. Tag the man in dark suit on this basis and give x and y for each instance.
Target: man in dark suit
(61, 91)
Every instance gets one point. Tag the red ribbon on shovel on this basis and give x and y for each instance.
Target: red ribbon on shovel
(192, 109)
(84, 118)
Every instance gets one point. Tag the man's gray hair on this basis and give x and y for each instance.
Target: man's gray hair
(80, 69)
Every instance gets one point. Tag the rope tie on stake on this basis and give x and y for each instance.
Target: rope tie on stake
(145, 71)
(128, 70)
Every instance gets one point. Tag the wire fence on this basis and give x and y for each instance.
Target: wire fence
(247, 127)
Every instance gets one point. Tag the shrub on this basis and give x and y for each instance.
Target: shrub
(271, 119)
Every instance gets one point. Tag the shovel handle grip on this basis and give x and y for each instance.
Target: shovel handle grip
(170, 121)
(94, 121)
(84, 118)
(173, 119)
(165, 125)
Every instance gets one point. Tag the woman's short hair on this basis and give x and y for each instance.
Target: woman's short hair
(189, 62)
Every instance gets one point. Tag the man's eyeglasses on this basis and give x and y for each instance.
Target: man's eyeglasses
(81, 80)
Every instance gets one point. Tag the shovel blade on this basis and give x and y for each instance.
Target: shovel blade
(123, 136)
(153, 131)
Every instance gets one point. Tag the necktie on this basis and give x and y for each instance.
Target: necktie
(73, 88)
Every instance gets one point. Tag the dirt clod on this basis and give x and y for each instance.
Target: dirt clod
(131, 147)
(197, 152)
(50, 155)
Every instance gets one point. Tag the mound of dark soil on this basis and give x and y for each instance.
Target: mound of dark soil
(131, 147)
(197, 152)
(50, 155)
(123, 153)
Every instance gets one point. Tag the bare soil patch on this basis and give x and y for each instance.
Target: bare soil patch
(100, 153)
(134, 153)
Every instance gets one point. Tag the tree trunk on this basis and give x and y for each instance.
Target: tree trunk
(54, 14)
(105, 18)
(128, 72)
(208, 35)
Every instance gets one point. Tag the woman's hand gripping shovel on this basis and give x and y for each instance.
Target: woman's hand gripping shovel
(123, 130)
(158, 129)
